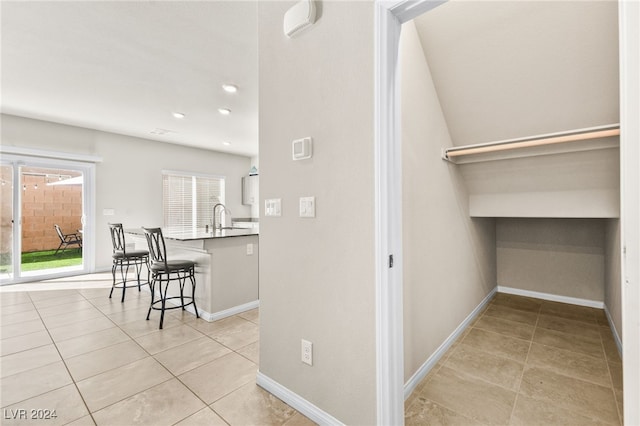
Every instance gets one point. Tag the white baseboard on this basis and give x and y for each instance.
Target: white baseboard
(552, 297)
(215, 316)
(296, 401)
(614, 331)
(227, 312)
(435, 357)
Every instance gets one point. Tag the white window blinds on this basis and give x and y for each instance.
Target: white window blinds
(188, 200)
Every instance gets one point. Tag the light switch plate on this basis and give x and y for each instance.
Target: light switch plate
(273, 207)
(302, 148)
(307, 206)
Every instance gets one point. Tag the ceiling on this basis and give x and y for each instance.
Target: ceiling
(501, 69)
(509, 69)
(125, 67)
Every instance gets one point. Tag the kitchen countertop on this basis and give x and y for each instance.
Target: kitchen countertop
(201, 234)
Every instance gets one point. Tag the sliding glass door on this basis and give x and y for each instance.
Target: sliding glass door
(6, 222)
(44, 219)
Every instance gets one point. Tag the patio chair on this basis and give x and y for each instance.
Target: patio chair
(66, 240)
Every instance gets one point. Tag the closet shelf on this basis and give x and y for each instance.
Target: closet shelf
(592, 138)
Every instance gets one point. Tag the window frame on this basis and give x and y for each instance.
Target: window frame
(192, 225)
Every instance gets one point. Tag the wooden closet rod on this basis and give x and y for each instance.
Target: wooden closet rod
(532, 141)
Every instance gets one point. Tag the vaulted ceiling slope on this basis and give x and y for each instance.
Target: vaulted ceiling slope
(125, 67)
(511, 69)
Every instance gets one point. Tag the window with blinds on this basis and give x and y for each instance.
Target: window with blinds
(188, 200)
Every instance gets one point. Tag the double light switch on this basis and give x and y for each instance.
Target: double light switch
(307, 206)
(273, 207)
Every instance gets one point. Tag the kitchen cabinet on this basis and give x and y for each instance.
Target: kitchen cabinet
(250, 189)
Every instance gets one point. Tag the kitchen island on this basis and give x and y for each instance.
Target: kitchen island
(226, 267)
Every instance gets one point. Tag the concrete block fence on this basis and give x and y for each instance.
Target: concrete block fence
(44, 206)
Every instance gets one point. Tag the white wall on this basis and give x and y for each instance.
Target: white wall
(612, 279)
(449, 258)
(317, 278)
(564, 257)
(129, 178)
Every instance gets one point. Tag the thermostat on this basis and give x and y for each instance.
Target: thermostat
(302, 148)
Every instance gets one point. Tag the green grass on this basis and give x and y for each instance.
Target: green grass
(39, 260)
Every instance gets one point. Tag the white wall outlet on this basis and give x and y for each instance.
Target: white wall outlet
(307, 352)
(307, 206)
(249, 249)
(108, 212)
(273, 207)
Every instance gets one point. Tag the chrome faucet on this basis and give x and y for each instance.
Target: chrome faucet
(225, 210)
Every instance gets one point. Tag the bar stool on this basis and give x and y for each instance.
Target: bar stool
(165, 271)
(124, 259)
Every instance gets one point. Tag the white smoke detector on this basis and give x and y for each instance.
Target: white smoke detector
(300, 16)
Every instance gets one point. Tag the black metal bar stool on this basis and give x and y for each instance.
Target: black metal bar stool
(124, 259)
(165, 271)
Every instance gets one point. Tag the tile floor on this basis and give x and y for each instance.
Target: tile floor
(525, 362)
(95, 360)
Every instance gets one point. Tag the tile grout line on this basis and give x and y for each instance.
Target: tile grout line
(75, 383)
(604, 358)
(441, 364)
(65, 366)
(149, 354)
(173, 376)
(538, 326)
(153, 356)
(524, 367)
(191, 390)
(613, 389)
(223, 396)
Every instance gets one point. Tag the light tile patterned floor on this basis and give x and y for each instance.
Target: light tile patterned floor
(95, 360)
(525, 362)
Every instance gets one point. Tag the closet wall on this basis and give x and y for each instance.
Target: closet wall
(575, 258)
(546, 224)
(448, 257)
(563, 257)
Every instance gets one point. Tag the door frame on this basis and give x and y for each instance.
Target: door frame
(389, 17)
(18, 158)
(629, 28)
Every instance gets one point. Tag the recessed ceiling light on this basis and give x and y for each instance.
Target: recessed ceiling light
(179, 115)
(224, 111)
(230, 88)
(226, 143)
